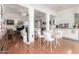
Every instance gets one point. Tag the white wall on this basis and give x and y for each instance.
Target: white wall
(66, 16)
(16, 17)
(43, 19)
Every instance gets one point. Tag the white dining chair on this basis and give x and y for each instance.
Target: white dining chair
(24, 35)
(40, 36)
(49, 40)
(58, 37)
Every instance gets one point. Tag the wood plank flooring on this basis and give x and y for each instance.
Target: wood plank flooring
(18, 47)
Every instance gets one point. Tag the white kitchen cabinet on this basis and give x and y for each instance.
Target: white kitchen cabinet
(71, 33)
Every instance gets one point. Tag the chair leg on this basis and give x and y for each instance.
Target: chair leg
(55, 43)
(61, 41)
(40, 41)
(50, 43)
(44, 43)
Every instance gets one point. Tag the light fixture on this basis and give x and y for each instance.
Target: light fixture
(24, 14)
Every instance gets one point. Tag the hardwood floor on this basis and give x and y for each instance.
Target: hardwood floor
(18, 47)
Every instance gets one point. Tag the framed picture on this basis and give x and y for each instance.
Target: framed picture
(66, 25)
(50, 22)
(44, 23)
(10, 22)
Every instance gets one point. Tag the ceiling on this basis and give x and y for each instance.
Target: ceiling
(14, 11)
(38, 14)
(60, 7)
(56, 7)
(20, 9)
(15, 8)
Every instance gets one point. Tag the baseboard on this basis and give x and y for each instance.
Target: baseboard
(71, 39)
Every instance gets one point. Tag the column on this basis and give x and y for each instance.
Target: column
(0, 14)
(47, 22)
(0, 21)
(31, 25)
(0, 17)
(2, 25)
